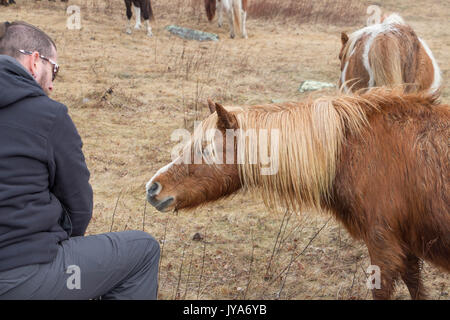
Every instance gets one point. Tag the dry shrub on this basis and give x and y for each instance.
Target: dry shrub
(338, 12)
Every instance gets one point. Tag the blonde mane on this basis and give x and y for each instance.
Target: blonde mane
(310, 138)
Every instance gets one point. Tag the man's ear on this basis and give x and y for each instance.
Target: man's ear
(31, 62)
(344, 38)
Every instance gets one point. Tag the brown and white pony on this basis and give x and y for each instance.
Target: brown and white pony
(388, 54)
(7, 2)
(236, 11)
(378, 161)
(142, 8)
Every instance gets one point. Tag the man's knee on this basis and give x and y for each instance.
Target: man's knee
(151, 248)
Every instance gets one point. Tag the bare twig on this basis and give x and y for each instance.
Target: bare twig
(179, 274)
(203, 265)
(162, 247)
(353, 280)
(299, 254)
(114, 212)
(250, 268)
(365, 274)
(126, 224)
(275, 245)
(287, 271)
(143, 218)
(188, 276)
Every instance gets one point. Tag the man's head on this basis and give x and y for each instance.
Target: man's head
(35, 50)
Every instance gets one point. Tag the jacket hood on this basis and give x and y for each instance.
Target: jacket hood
(15, 82)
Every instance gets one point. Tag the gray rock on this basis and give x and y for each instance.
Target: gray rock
(311, 85)
(191, 34)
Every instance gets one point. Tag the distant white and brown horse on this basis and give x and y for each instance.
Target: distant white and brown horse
(388, 54)
(236, 11)
(378, 161)
(142, 8)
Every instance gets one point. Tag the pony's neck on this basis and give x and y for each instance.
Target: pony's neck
(310, 136)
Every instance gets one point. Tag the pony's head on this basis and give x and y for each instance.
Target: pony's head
(287, 152)
(343, 54)
(205, 170)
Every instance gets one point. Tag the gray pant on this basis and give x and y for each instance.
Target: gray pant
(116, 265)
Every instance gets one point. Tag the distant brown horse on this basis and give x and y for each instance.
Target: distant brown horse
(388, 54)
(378, 161)
(236, 11)
(142, 8)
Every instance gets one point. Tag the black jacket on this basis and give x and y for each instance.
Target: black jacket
(45, 195)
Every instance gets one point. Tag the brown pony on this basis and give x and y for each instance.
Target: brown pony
(142, 8)
(378, 161)
(388, 54)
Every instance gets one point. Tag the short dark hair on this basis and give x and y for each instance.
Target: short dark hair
(20, 35)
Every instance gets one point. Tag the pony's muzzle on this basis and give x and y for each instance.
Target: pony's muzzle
(161, 205)
(152, 192)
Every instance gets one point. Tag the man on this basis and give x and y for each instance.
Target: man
(45, 195)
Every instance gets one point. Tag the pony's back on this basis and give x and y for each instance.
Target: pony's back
(398, 57)
(389, 54)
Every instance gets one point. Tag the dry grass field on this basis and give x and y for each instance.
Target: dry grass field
(127, 93)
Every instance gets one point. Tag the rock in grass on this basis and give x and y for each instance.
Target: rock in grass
(311, 85)
(191, 34)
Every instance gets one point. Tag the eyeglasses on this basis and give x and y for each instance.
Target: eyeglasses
(55, 65)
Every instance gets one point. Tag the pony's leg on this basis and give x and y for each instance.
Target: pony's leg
(149, 28)
(146, 15)
(412, 278)
(231, 21)
(243, 27)
(137, 13)
(129, 15)
(388, 259)
(220, 10)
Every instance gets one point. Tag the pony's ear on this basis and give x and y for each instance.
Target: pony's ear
(344, 38)
(212, 106)
(225, 120)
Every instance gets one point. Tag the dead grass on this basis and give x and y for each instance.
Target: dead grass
(340, 12)
(127, 94)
